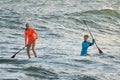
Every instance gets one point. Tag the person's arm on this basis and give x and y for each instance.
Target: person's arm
(93, 41)
(25, 38)
(36, 34)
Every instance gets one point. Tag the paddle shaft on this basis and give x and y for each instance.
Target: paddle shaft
(93, 38)
(100, 51)
(20, 50)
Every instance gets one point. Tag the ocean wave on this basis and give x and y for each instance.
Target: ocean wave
(82, 77)
(13, 61)
(107, 12)
(40, 73)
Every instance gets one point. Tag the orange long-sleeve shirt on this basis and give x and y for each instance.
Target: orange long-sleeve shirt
(29, 35)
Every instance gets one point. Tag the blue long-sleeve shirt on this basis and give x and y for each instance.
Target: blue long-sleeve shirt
(85, 45)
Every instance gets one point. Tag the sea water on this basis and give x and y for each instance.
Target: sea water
(60, 26)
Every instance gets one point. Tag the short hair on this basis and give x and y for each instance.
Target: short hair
(86, 36)
(27, 24)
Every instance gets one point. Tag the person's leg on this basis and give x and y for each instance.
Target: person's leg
(33, 48)
(28, 50)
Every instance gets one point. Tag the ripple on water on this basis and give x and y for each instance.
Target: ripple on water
(14, 61)
(40, 73)
(81, 77)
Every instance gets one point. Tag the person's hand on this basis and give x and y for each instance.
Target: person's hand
(26, 45)
(36, 37)
(94, 40)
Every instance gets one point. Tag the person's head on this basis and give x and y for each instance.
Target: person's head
(86, 37)
(27, 26)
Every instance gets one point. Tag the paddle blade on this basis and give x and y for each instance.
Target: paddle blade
(13, 56)
(100, 51)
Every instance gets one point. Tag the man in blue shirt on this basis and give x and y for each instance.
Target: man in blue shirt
(85, 45)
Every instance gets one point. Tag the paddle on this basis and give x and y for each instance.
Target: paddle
(17, 52)
(20, 50)
(100, 51)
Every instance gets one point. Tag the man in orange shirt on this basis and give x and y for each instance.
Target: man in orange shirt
(30, 36)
